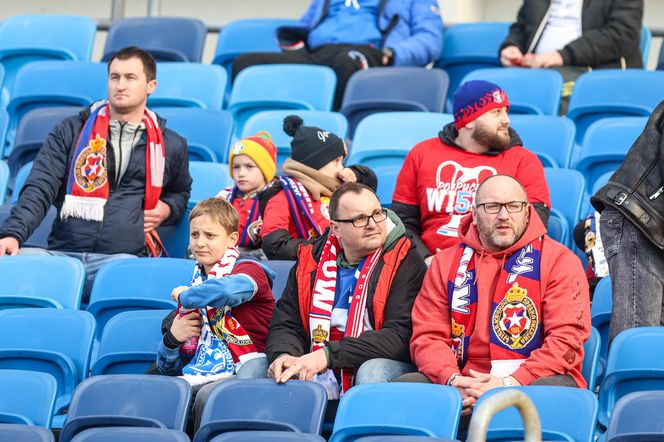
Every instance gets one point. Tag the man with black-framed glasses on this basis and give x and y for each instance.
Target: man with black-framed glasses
(508, 306)
(344, 316)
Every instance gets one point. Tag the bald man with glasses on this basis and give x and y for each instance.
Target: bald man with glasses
(344, 316)
(508, 306)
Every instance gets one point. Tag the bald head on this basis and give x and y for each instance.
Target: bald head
(502, 184)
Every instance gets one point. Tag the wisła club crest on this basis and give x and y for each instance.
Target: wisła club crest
(515, 319)
(90, 170)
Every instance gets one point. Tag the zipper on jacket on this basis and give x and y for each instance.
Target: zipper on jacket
(657, 193)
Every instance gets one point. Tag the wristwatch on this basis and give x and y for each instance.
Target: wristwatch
(507, 382)
(389, 54)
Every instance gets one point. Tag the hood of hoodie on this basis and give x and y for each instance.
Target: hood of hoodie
(468, 234)
(450, 133)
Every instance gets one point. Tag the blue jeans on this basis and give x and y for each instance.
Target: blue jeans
(636, 267)
(379, 370)
(91, 261)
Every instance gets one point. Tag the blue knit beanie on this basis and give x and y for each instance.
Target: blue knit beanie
(474, 98)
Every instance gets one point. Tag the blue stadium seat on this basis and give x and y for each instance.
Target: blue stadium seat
(32, 131)
(267, 436)
(470, 46)
(600, 312)
(383, 140)
(28, 38)
(600, 182)
(27, 397)
(19, 181)
(166, 38)
(397, 409)
(25, 433)
(4, 180)
(566, 189)
(558, 228)
(251, 35)
(550, 137)
(40, 235)
(605, 146)
(208, 180)
(631, 94)
(273, 122)
(54, 341)
(637, 417)
(591, 358)
(208, 131)
(644, 45)
(280, 86)
(54, 83)
(4, 123)
(408, 438)
(128, 401)
(59, 284)
(393, 89)
(176, 238)
(188, 85)
(130, 434)
(282, 268)
(565, 414)
(633, 365)
(530, 91)
(136, 284)
(660, 63)
(262, 404)
(129, 342)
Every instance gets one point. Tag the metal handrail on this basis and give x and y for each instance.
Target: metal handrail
(499, 401)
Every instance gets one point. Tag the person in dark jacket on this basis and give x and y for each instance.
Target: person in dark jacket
(92, 168)
(352, 35)
(632, 230)
(344, 316)
(589, 34)
(295, 208)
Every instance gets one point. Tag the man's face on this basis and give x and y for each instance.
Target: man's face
(128, 87)
(359, 242)
(501, 230)
(492, 129)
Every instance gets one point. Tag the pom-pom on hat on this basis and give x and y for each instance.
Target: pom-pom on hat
(475, 98)
(259, 148)
(312, 146)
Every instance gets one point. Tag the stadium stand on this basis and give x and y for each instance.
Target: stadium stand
(208, 180)
(25, 433)
(550, 137)
(636, 417)
(591, 351)
(183, 84)
(27, 397)
(566, 188)
(130, 434)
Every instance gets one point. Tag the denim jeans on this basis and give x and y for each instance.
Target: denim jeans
(378, 370)
(636, 267)
(91, 261)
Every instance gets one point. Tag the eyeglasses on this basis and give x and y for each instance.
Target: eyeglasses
(378, 216)
(511, 206)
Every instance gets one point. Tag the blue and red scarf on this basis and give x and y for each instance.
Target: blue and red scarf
(246, 239)
(301, 208)
(515, 320)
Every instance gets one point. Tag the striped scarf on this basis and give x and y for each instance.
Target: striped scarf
(301, 208)
(246, 238)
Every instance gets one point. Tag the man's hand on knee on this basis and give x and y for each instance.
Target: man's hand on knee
(279, 365)
(9, 246)
(305, 367)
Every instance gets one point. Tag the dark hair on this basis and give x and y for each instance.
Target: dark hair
(355, 188)
(149, 64)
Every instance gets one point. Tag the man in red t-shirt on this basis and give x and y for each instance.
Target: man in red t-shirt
(437, 182)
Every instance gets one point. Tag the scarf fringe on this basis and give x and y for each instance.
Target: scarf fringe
(87, 208)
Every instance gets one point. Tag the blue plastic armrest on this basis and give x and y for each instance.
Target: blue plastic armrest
(13, 418)
(79, 424)
(353, 431)
(215, 428)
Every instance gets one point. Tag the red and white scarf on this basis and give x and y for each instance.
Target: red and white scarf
(322, 303)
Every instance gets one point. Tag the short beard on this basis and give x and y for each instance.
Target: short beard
(490, 139)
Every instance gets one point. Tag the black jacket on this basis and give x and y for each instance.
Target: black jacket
(636, 189)
(287, 334)
(280, 244)
(611, 31)
(121, 230)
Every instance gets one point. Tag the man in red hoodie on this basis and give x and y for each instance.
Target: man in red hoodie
(508, 306)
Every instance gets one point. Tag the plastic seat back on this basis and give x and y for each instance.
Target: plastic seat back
(25, 433)
(27, 397)
(59, 282)
(208, 131)
(282, 268)
(280, 86)
(565, 414)
(129, 342)
(176, 238)
(530, 91)
(250, 35)
(550, 138)
(166, 38)
(128, 401)
(267, 436)
(397, 409)
(600, 312)
(188, 85)
(566, 188)
(273, 122)
(54, 341)
(261, 404)
(644, 45)
(591, 359)
(39, 237)
(208, 180)
(393, 89)
(130, 434)
(4, 180)
(136, 284)
(634, 92)
(558, 228)
(4, 124)
(637, 417)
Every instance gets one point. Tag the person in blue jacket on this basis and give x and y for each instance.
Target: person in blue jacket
(349, 35)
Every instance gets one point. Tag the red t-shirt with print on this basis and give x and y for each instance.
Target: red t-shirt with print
(441, 180)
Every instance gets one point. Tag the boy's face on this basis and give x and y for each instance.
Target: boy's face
(247, 175)
(208, 241)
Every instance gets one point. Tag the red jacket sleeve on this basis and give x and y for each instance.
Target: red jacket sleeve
(405, 190)
(531, 175)
(277, 214)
